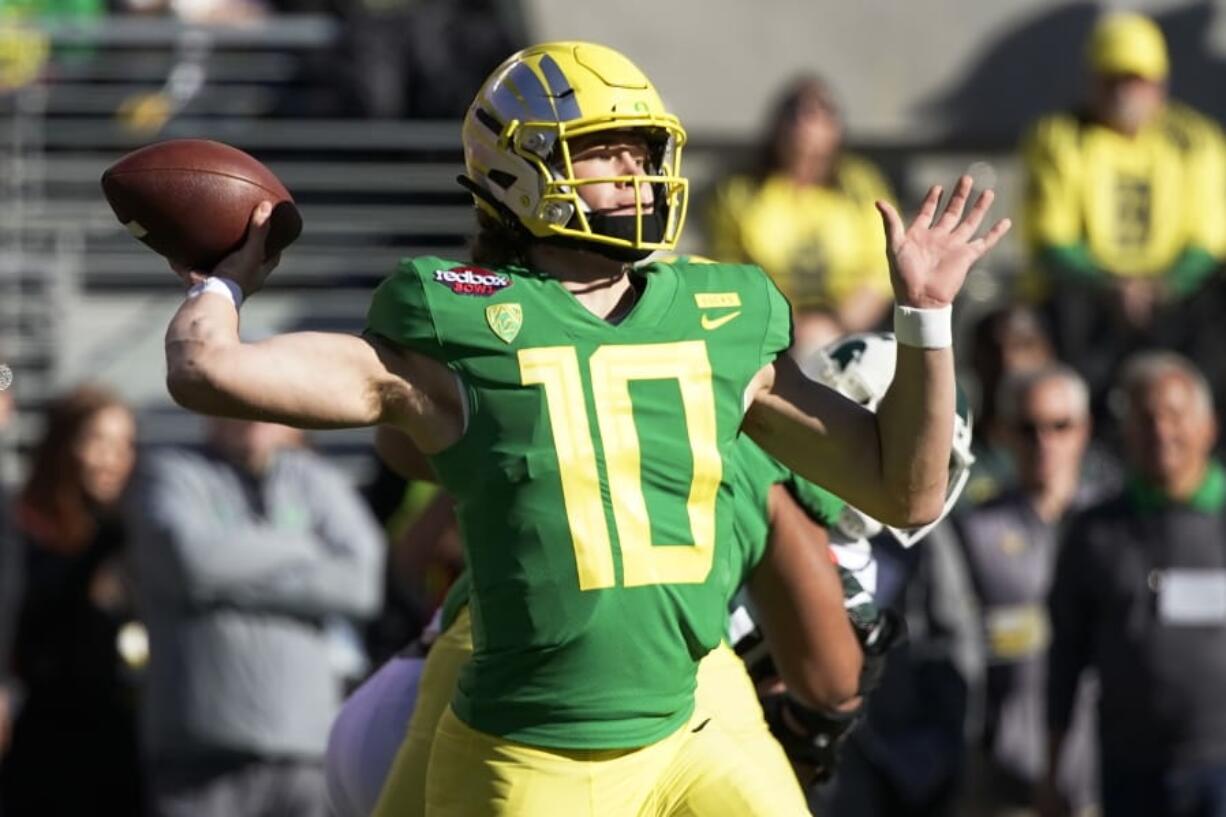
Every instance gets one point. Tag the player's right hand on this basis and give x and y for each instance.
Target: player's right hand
(246, 266)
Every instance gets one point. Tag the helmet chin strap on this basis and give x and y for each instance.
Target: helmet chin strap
(623, 227)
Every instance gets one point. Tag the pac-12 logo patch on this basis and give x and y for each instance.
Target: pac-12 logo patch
(505, 320)
(472, 280)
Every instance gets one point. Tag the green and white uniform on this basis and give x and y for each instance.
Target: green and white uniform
(593, 484)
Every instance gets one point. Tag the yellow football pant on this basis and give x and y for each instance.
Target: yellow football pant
(404, 790)
(723, 762)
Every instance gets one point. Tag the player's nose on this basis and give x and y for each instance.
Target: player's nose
(628, 163)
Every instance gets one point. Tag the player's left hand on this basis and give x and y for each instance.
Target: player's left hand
(930, 259)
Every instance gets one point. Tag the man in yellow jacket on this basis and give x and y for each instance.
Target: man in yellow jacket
(1125, 211)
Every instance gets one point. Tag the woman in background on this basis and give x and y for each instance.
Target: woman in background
(74, 748)
(806, 216)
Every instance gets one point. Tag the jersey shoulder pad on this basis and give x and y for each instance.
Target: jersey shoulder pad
(697, 273)
(411, 305)
(743, 287)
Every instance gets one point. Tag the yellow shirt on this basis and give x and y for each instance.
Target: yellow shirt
(1136, 203)
(819, 244)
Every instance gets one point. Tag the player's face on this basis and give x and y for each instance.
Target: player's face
(105, 451)
(1050, 434)
(1169, 430)
(615, 153)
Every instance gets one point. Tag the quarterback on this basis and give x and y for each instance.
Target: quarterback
(581, 413)
(393, 715)
(396, 712)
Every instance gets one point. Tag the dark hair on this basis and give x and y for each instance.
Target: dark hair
(804, 88)
(53, 504)
(988, 342)
(496, 244)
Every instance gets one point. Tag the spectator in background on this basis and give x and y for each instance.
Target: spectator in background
(1010, 547)
(243, 554)
(74, 745)
(424, 58)
(1140, 596)
(1125, 211)
(806, 216)
(1004, 342)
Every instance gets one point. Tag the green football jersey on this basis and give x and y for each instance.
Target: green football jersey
(591, 484)
(756, 472)
(752, 472)
(453, 602)
(819, 503)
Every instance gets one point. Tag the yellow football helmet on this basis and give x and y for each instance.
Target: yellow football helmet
(518, 156)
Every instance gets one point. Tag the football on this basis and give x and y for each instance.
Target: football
(190, 200)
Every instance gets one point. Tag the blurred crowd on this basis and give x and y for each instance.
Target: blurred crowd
(179, 626)
(393, 58)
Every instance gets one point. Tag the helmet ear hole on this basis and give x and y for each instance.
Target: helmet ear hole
(502, 178)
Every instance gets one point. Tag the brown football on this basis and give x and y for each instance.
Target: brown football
(190, 200)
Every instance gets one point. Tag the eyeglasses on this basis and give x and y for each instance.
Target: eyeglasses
(1033, 428)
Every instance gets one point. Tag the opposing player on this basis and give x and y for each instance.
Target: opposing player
(562, 379)
(861, 368)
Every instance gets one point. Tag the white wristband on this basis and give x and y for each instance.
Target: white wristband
(218, 286)
(925, 328)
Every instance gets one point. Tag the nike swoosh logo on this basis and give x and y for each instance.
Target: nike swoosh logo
(710, 323)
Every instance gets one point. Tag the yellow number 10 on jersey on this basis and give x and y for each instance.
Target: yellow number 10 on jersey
(612, 368)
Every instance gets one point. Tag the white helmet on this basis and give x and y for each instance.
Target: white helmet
(861, 368)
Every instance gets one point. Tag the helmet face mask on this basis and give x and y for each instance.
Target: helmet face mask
(518, 148)
(861, 368)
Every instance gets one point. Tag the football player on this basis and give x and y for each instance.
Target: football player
(556, 377)
(374, 724)
(396, 712)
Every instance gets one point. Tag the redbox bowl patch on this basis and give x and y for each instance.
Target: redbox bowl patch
(472, 281)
